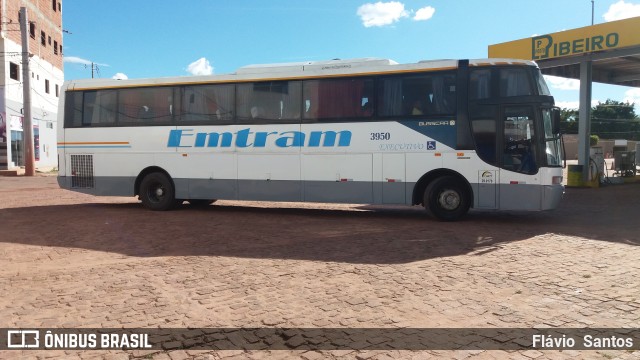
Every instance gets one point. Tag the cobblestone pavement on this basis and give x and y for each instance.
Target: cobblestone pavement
(72, 260)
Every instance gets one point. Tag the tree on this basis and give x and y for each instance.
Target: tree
(615, 120)
(609, 120)
(612, 109)
(568, 121)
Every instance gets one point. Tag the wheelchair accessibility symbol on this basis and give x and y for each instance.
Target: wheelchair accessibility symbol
(431, 145)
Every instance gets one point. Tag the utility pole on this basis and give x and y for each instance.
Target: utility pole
(94, 69)
(27, 127)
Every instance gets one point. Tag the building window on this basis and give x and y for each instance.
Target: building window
(57, 90)
(55, 47)
(60, 49)
(46, 86)
(49, 40)
(54, 4)
(32, 30)
(14, 71)
(43, 38)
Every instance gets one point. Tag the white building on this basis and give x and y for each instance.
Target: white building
(47, 76)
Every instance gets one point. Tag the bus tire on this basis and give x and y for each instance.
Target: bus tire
(200, 202)
(157, 192)
(447, 199)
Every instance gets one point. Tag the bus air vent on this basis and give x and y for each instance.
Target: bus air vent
(82, 171)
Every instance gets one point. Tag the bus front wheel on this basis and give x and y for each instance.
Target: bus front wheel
(157, 192)
(446, 198)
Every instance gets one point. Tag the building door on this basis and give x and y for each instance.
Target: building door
(17, 146)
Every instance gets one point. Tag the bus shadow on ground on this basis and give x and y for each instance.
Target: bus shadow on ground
(365, 235)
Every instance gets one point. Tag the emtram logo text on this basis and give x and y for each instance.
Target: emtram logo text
(246, 138)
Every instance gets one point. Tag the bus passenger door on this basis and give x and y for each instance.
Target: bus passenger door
(518, 159)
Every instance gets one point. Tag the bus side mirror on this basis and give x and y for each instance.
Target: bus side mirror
(555, 116)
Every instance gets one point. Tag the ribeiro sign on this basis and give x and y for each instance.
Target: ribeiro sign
(601, 37)
(544, 47)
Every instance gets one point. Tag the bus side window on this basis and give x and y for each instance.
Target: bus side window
(441, 95)
(147, 106)
(73, 109)
(99, 108)
(480, 84)
(208, 103)
(417, 95)
(338, 98)
(515, 82)
(268, 101)
(405, 95)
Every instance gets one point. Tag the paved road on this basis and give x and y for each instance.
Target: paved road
(72, 260)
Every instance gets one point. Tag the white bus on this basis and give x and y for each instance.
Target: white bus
(449, 135)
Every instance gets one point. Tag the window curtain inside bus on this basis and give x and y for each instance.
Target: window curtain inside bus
(480, 84)
(290, 100)
(269, 100)
(99, 107)
(340, 98)
(208, 103)
(244, 93)
(439, 103)
(391, 101)
(514, 82)
(146, 105)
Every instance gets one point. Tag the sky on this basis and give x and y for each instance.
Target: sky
(160, 38)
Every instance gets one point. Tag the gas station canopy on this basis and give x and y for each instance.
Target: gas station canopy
(613, 47)
(606, 53)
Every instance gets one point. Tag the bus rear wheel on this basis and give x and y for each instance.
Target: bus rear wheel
(157, 192)
(447, 199)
